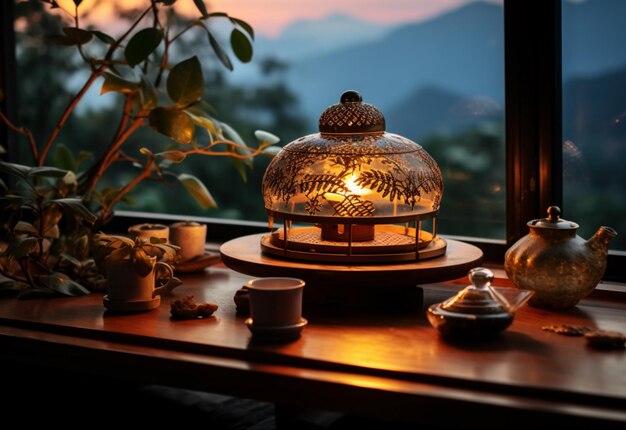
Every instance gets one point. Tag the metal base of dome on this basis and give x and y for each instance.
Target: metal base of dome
(391, 244)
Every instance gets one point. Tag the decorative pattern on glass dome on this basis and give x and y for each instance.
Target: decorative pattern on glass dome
(364, 173)
(340, 181)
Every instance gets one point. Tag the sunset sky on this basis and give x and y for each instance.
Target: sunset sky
(269, 17)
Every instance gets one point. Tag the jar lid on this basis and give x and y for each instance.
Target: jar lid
(477, 299)
(553, 221)
(351, 115)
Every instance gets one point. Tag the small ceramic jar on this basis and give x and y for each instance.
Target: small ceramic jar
(148, 230)
(191, 237)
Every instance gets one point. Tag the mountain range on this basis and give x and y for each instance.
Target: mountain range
(435, 74)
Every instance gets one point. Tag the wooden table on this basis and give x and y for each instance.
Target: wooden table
(384, 365)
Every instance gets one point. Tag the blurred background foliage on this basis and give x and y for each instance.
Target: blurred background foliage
(470, 153)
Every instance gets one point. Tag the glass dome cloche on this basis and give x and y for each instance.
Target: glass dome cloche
(356, 184)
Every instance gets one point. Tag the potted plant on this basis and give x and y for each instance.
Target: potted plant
(154, 94)
(137, 271)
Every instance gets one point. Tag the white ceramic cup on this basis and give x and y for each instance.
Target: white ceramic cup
(275, 301)
(191, 237)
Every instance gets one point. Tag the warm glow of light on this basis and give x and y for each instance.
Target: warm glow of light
(354, 188)
(104, 14)
(333, 197)
(70, 7)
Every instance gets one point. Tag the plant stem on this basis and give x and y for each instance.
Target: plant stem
(23, 262)
(140, 177)
(68, 110)
(109, 156)
(24, 132)
(125, 116)
(117, 43)
(205, 150)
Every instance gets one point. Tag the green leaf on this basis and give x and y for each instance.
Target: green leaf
(203, 120)
(240, 167)
(76, 207)
(172, 123)
(14, 169)
(12, 287)
(45, 171)
(73, 261)
(141, 45)
(241, 46)
(61, 284)
(142, 262)
(59, 39)
(174, 156)
(21, 247)
(185, 83)
(243, 24)
(119, 254)
(149, 95)
(78, 35)
(63, 158)
(51, 216)
(221, 54)
(197, 190)
(109, 194)
(103, 37)
(13, 201)
(202, 8)
(24, 227)
(231, 133)
(264, 136)
(82, 157)
(81, 245)
(271, 151)
(118, 84)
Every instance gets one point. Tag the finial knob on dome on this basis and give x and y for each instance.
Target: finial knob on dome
(352, 116)
(351, 96)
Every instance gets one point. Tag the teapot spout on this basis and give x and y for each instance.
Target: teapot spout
(599, 242)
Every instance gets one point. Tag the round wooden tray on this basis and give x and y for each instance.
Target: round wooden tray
(352, 283)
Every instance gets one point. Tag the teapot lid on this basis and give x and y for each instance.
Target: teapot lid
(553, 221)
(479, 298)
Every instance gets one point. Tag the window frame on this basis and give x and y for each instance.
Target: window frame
(533, 129)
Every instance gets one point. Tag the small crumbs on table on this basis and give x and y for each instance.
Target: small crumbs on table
(187, 308)
(568, 329)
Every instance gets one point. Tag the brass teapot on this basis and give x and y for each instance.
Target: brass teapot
(557, 264)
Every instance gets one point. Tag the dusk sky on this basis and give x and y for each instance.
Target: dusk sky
(269, 17)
